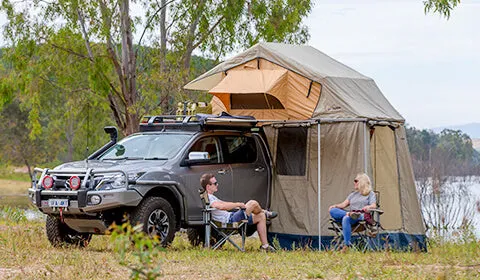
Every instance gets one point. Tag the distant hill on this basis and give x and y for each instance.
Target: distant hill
(472, 129)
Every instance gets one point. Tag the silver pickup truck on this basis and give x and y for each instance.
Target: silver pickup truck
(152, 178)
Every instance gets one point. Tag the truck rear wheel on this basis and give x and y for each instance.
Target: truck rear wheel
(59, 234)
(157, 218)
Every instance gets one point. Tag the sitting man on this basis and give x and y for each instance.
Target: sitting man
(250, 210)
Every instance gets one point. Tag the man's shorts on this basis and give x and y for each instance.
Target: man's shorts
(239, 215)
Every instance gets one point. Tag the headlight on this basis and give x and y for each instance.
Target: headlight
(110, 182)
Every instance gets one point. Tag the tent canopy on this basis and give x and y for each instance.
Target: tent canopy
(338, 91)
(259, 81)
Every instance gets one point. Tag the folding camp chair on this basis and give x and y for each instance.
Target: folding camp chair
(225, 231)
(364, 234)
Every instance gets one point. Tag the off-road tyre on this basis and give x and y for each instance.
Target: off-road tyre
(196, 236)
(157, 218)
(59, 234)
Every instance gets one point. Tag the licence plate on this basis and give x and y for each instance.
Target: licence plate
(58, 202)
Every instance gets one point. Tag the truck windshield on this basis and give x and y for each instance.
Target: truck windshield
(148, 147)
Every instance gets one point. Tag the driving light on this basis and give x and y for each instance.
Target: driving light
(74, 182)
(47, 182)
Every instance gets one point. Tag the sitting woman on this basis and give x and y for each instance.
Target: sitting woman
(360, 201)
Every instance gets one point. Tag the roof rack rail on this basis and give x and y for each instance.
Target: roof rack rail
(197, 122)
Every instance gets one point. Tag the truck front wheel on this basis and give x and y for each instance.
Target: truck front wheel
(157, 218)
(59, 234)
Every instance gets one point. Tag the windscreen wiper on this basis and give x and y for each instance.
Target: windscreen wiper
(155, 158)
(122, 158)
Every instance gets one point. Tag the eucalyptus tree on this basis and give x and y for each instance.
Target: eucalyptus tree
(145, 76)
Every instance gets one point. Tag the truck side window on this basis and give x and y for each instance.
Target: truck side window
(207, 144)
(291, 151)
(240, 149)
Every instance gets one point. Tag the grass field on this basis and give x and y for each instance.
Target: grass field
(26, 254)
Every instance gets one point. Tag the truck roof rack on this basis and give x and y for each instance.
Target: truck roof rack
(197, 122)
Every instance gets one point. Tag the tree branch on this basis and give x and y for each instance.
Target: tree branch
(210, 31)
(81, 19)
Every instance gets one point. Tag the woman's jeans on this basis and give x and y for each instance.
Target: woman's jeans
(340, 215)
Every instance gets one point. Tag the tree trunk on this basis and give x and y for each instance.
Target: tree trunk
(163, 36)
(191, 35)
(128, 70)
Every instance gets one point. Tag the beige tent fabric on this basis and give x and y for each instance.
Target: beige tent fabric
(296, 197)
(249, 81)
(351, 98)
(301, 104)
(218, 107)
(291, 89)
(304, 60)
(412, 220)
(259, 114)
(385, 174)
(342, 159)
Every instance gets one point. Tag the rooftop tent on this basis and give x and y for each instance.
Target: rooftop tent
(330, 112)
(320, 85)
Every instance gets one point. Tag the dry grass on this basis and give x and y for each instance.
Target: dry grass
(25, 253)
(13, 193)
(13, 187)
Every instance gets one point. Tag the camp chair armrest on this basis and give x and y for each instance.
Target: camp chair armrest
(376, 211)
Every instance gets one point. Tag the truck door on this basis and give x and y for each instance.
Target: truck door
(250, 170)
(216, 166)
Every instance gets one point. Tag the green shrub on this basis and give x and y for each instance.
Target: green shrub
(145, 250)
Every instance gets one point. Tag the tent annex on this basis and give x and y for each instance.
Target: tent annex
(328, 111)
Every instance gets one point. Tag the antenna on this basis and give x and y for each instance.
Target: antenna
(88, 133)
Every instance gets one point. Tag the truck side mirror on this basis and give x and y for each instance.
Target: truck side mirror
(196, 158)
(112, 131)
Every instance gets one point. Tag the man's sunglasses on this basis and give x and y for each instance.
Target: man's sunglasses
(214, 183)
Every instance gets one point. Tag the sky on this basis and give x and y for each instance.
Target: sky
(428, 67)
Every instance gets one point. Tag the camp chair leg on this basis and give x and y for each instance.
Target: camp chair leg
(207, 235)
(243, 232)
(208, 228)
(226, 237)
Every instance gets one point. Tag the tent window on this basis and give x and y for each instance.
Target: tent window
(255, 101)
(292, 151)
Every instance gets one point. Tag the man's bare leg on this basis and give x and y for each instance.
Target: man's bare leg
(253, 207)
(261, 222)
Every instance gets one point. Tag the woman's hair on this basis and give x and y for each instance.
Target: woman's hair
(364, 184)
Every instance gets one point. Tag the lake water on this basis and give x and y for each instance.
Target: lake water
(475, 189)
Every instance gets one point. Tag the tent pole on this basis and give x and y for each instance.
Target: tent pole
(319, 188)
(365, 148)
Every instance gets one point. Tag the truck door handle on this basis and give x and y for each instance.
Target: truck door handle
(259, 169)
(222, 171)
